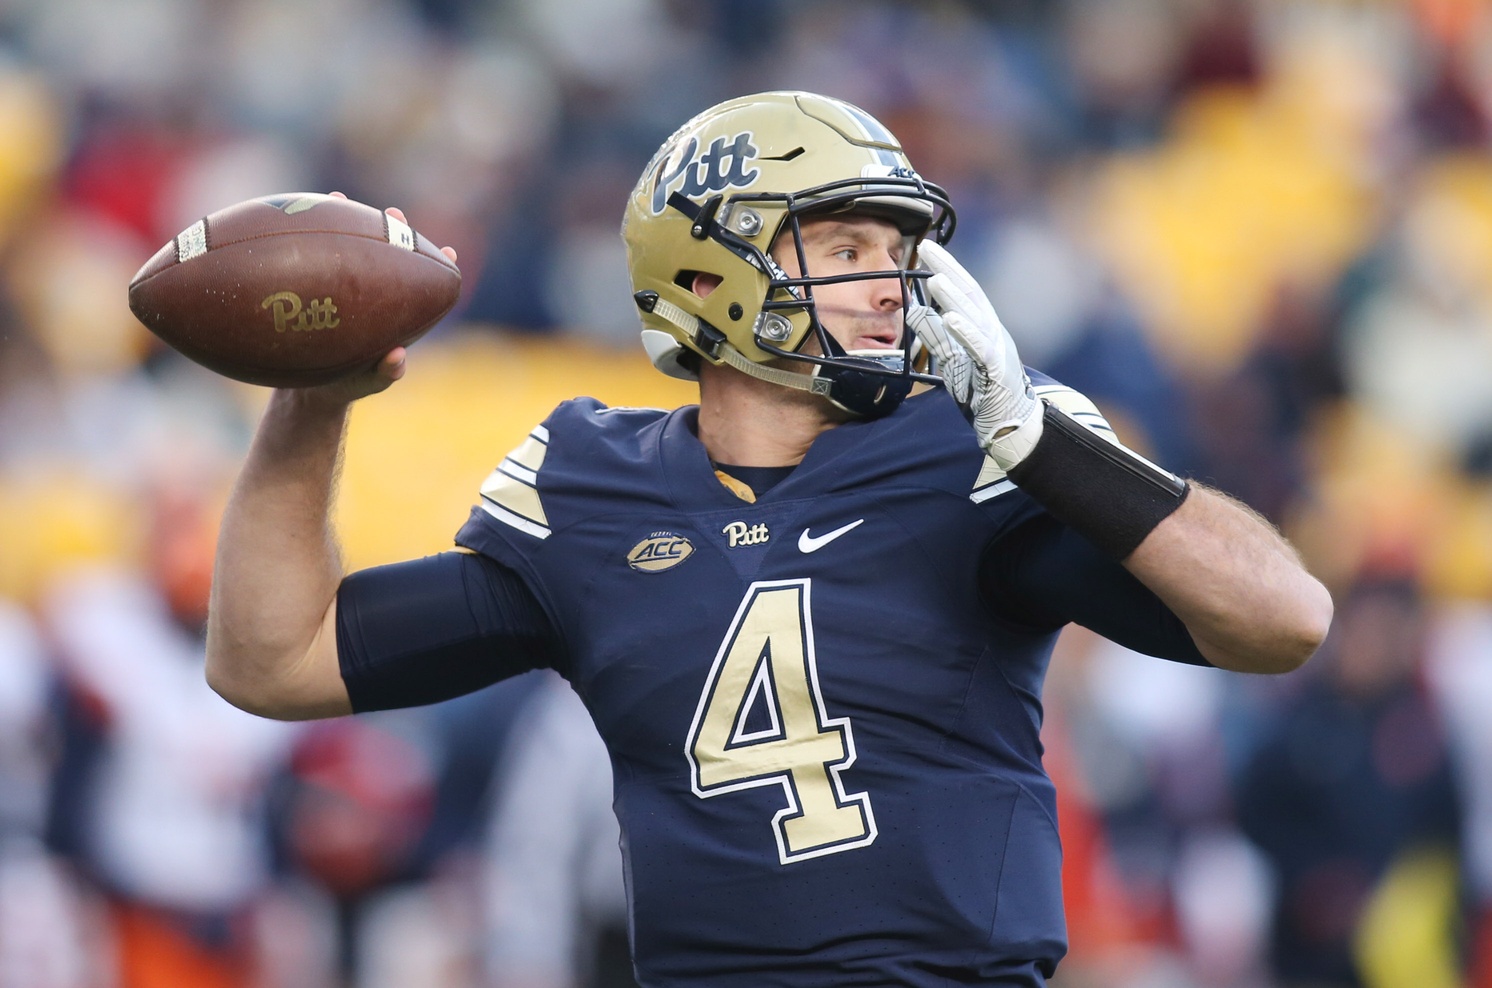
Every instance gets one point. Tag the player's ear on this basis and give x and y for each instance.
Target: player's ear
(705, 283)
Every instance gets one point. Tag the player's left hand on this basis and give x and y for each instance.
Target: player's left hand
(978, 360)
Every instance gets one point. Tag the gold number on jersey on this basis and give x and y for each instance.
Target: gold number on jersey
(761, 722)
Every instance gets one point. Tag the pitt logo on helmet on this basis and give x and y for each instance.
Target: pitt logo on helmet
(659, 551)
(723, 165)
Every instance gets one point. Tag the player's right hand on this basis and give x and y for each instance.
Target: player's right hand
(357, 384)
(370, 380)
(978, 360)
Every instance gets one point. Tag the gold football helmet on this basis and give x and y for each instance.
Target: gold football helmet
(715, 199)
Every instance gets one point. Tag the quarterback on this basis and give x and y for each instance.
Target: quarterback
(810, 616)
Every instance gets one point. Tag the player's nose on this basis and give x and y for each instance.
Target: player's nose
(886, 293)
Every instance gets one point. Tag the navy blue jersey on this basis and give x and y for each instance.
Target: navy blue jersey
(823, 708)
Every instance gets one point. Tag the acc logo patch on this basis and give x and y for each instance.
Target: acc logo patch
(659, 551)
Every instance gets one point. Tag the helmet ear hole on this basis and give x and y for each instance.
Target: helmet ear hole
(701, 283)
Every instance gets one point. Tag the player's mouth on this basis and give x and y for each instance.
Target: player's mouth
(879, 339)
(866, 332)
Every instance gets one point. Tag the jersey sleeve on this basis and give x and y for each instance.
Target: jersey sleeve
(1042, 573)
(431, 629)
(1047, 575)
(537, 511)
(511, 521)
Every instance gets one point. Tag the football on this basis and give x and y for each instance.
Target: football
(294, 290)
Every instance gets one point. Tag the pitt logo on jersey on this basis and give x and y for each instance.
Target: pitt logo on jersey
(659, 551)
(739, 533)
(689, 172)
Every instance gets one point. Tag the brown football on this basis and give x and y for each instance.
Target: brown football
(294, 290)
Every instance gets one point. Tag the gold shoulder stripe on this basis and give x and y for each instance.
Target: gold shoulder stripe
(530, 452)
(992, 482)
(1080, 407)
(511, 492)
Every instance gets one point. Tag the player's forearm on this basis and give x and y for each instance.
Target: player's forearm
(271, 643)
(1237, 585)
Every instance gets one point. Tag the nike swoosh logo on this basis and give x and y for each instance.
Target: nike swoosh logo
(810, 543)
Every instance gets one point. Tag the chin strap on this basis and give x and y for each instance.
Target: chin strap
(691, 325)
(859, 392)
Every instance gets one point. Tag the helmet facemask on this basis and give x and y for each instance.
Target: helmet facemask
(866, 383)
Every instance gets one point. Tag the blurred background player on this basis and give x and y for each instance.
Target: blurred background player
(555, 903)
(1351, 797)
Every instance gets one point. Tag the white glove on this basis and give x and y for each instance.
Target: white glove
(977, 359)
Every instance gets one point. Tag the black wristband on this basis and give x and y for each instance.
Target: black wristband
(1114, 497)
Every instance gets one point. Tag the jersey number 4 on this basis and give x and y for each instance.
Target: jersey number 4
(761, 722)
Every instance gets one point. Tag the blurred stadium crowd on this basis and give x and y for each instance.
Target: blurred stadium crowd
(1257, 232)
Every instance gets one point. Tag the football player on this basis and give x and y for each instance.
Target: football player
(810, 616)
